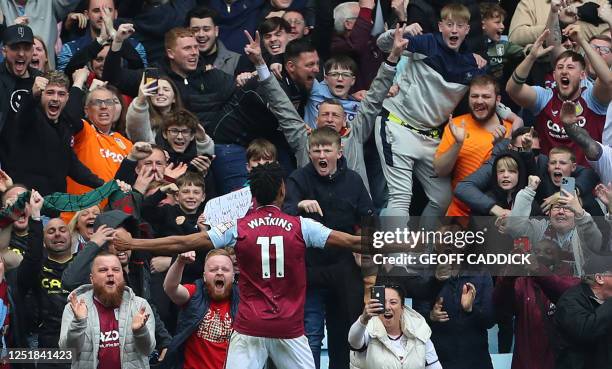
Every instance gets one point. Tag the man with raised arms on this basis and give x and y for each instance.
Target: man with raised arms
(270, 249)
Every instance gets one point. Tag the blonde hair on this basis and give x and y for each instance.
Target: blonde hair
(563, 150)
(72, 224)
(217, 252)
(507, 162)
(456, 12)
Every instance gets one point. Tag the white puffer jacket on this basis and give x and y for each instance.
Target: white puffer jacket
(379, 355)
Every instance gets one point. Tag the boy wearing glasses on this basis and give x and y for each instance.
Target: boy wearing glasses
(186, 142)
(603, 45)
(340, 72)
(296, 20)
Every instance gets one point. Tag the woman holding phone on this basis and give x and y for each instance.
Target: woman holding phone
(157, 116)
(156, 98)
(391, 336)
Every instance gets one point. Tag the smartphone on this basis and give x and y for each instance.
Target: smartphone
(568, 184)
(523, 244)
(152, 75)
(378, 293)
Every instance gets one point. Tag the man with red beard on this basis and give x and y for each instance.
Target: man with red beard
(468, 140)
(105, 323)
(569, 70)
(134, 266)
(208, 310)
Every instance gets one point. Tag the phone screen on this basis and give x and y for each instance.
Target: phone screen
(151, 75)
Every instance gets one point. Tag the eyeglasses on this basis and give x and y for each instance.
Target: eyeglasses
(557, 207)
(344, 75)
(175, 132)
(604, 50)
(100, 102)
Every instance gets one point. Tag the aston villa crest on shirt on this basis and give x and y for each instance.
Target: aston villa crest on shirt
(120, 143)
(499, 49)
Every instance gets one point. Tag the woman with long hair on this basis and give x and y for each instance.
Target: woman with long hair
(40, 56)
(155, 100)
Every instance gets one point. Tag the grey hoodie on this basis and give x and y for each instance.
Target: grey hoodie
(83, 336)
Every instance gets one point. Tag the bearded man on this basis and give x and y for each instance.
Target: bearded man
(591, 100)
(208, 308)
(105, 323)
(468, 140)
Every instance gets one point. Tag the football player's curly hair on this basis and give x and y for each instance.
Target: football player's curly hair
(266, 181)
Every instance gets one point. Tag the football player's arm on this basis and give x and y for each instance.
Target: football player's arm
(164, 245)
(317, 235)
(359, 246)
(344, 240)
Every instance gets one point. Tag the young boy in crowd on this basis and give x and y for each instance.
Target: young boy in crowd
(178, 219)
(260, 151)
(329, 192)
(181, 218)
(500, 53)
(185, 141)
(510, 172)
(340, 74)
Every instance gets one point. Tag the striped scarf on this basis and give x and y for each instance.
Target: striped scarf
(59, 202)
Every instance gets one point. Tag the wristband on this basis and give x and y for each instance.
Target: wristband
(390, 63)
(518, 80)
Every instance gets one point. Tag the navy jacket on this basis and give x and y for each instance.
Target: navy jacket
(472, 349)
(342, 197)
(70, 49)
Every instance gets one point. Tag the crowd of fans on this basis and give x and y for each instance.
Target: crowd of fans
(121, 119)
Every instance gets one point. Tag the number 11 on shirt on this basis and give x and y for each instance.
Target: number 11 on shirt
(277, 242)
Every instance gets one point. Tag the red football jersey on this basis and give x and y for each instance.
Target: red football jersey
(270, 249)
(551, 132)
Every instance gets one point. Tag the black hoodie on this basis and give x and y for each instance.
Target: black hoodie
(500, 195)
(342, 197)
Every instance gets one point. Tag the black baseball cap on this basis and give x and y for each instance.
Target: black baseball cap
(17, 33)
